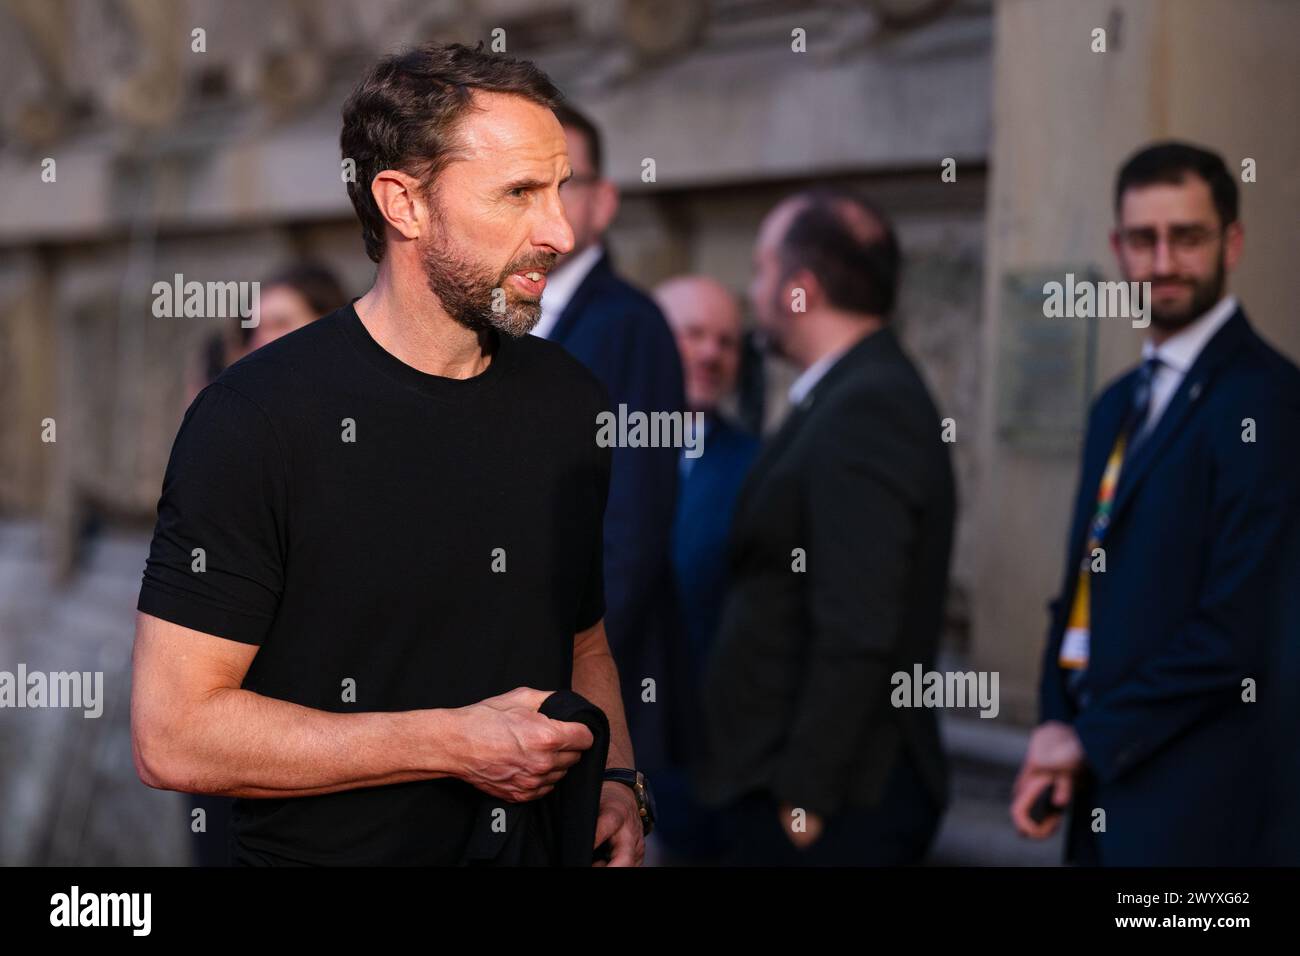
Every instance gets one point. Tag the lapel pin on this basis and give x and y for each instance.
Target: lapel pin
(1195, 392)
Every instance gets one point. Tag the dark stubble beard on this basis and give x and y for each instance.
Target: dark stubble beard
(1204, 295)
(468, 290)
(766, 336)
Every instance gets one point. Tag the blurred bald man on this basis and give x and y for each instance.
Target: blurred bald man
(705, 319)
(839, 564)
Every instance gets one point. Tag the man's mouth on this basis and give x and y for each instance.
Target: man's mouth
(532, 281)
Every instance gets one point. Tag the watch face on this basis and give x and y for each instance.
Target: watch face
(649, 796)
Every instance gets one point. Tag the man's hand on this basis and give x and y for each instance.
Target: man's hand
(1053, 758)
(508, 749)
(812, 827)
(620, 822)
(1055, 746)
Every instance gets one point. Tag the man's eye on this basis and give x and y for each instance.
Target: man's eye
(518, 192)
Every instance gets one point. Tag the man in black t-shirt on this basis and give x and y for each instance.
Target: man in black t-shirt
(378, 547)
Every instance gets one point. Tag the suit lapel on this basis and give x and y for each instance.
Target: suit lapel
(878, 345)
(1108, 430)
(1110, 419)
(568, 319)
(1188, 396)
(770, 453)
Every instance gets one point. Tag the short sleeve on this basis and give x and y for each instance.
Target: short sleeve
(592, 607)
(216, 562)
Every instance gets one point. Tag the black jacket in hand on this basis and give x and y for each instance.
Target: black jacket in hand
(558, 829)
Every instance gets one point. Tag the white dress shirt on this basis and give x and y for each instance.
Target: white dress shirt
(813, 374)
(561, 284)
(1177, 354)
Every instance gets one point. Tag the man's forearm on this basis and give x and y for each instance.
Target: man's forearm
(239, 743)
(595, 677)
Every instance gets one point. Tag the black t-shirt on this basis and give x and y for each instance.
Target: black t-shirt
(427, 541)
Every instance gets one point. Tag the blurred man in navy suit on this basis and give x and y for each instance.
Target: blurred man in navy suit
(705, 318)
(618, 333)
(1161, 693)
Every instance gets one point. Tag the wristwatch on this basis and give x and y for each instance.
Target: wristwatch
(645, 800)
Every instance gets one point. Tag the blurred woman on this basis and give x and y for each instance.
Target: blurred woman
(287, 300)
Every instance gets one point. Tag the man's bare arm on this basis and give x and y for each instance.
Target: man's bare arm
(595, 677)
(194, 729)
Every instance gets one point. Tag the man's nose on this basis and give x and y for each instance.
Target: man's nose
(709, 353)
(555, 230)
(1164, 260)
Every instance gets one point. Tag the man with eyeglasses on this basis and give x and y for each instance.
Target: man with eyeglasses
(1167, 691)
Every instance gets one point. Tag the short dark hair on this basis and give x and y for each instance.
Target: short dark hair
(858, 275)
(405, 113)
(1170, 162)
(570, 117)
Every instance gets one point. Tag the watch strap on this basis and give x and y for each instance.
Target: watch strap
(636, 781)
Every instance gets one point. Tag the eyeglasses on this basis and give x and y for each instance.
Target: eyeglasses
(1182, 240)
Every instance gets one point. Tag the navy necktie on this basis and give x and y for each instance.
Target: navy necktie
(1136, 429)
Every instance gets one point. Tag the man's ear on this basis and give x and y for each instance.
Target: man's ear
(1115, 248)
(605, 205)
(1234, 237)
(400, 202)
(801, 292)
